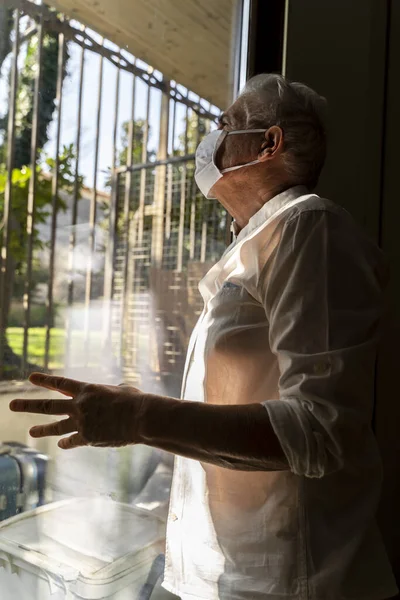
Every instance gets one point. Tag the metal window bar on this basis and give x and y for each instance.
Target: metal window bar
(74, 217)
(84, 39)
(143, 173)
(193, 197)
(109, 262)
(179, 261)
(54, 200)
(125, 226)
(30, 221)
(158, 231)
(160, 179)
(204, 225)
(6, 223)
(177, 285)
(170, 176)
(116, 113)
(117, 314)
(92, 216)
(145, 243)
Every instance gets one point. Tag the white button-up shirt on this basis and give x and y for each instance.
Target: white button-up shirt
(290, 320)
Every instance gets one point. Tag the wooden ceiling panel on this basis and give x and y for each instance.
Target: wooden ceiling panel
(189, 41)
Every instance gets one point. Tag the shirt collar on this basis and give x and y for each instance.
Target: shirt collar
(267, 210)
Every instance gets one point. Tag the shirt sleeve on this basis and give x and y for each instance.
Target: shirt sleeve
(322, 291)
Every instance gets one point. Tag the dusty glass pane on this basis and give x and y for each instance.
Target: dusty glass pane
(104, 237)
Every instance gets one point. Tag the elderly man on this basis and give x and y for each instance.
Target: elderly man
(277, 474)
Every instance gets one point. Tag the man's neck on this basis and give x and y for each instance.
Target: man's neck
(243, 204)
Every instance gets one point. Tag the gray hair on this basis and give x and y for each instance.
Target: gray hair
(300, 112)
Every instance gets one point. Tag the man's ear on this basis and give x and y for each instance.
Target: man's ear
(272, 145)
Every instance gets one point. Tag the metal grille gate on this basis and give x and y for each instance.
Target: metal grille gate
(158, 234)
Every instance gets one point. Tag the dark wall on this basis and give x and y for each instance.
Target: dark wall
(388, 396)
(338, 48)
(349, 51)
(266, 38)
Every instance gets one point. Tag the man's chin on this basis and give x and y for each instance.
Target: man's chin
(215, 194)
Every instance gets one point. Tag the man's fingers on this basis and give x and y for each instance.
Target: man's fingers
(58, 428)
(73, 441)
(44, 407)
(68, 387)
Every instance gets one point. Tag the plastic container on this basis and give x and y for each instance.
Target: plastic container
(120, 473)
(156, 494)
(87, 549)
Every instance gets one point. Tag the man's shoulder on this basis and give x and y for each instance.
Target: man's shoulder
(348, 233)
(315, 203)
(318, 208)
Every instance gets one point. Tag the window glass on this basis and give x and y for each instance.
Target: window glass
(104, 237)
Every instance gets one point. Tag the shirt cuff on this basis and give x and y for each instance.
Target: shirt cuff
(304, 448)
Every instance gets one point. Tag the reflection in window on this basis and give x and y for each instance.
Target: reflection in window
(103, 233)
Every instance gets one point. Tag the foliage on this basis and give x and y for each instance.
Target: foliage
(26, 85)
(122, 160)
(211, 212)
(6, 22)
(138, 136)
(137, 145)
(47, 95)
(38, 314)
(43, 199)
(21, 174)
(196, 130)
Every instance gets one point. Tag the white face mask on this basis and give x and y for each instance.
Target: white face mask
(207, 173)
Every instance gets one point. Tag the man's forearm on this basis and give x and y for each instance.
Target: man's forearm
(235, 437)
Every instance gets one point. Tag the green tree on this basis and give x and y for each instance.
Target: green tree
(47, 95)
(137, 146)
(196, 130)
(17, 263)
(22, 169)
(209, 210)
(6, 23)
(139, 126)
(26, 84)
(43, 199)
(137, 143)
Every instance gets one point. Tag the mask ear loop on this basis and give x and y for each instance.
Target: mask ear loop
(218, 143)
(246, 131)
(253, 162)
